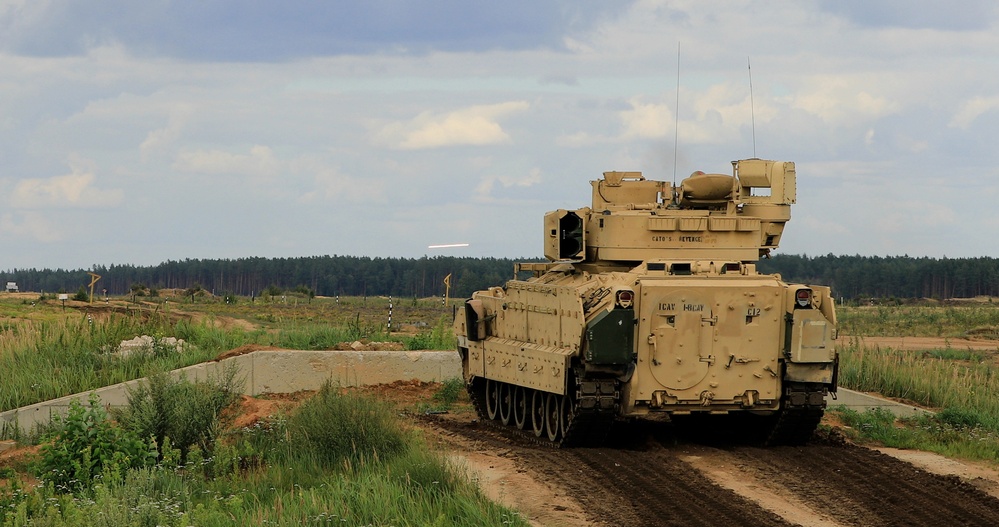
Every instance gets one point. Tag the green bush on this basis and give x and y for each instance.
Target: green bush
(188, 413)
(440, 337)
(88, 444)
(443, 399)
(345, 428)
(960, 417)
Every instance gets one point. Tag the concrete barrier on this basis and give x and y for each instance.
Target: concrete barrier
(270, 371)
(862, 402)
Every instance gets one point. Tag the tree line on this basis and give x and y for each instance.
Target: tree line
(849, 276)
(858, 276)
(320, 275)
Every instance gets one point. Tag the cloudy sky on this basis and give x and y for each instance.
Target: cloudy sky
(139, 132)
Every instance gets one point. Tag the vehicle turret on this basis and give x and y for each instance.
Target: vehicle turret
(738, 217)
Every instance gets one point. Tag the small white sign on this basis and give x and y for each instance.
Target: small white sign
(63, 296)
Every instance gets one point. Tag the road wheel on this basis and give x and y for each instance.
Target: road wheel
(520, 407)
(565, 415)
(538, 412)
(505, 403)
(492, 398)
(552, 411)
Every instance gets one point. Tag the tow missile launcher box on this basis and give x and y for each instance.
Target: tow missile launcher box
(651, 303)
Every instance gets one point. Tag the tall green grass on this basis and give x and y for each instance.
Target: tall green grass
(52, 359)
(966, 393)
(919, 321)
(440, 337)
(46, 359)
(289, 471)
(926, 381)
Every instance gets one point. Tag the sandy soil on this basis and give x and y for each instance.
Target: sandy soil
(924, 343)
(650, 477)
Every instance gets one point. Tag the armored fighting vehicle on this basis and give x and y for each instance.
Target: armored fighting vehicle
(651, 303)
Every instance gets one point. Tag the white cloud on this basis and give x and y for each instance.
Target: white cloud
(484, 191)
(815, 226)
(31, 225)
(863, 109)
(841, 99)
(333, 187)
(259, 162)
(869, 137)
(475, 125)
(972, 109)
(906, 215)
(647, 120)
(71, 190)
(162, 138)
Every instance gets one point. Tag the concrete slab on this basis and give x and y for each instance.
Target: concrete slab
(270, 371)
(862, 402)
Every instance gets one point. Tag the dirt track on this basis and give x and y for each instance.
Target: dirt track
(651, 478)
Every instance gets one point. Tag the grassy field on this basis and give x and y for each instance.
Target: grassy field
(170, 457)
(962, 384)
(339, 458)
(957, 320)
(48, 349)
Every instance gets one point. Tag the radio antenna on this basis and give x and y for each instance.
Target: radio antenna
(752, 105)
(676, 114)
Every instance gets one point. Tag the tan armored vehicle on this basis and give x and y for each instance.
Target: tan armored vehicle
(651, 303)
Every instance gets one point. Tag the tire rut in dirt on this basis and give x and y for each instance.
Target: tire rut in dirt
(862, 487)
(653, 488)
(635, 481)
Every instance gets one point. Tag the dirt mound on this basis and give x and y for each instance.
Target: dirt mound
(365, 345)
(242, 350)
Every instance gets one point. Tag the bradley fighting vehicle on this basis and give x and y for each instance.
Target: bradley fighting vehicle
(651, 303)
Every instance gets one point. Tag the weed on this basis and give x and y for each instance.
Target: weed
(440, 337)
(443, 399)
(341, 429)
(88, 445)
(187, 413)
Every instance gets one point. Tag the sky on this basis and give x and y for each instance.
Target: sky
(141, 132)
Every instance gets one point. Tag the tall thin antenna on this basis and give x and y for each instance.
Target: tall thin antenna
(752, 105)
(676, 114)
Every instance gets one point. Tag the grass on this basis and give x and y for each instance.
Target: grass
(47, 353)
(951, 433)
(961, 384)
(452, 390)
(288, 471)
(919, 321)
(937, 383)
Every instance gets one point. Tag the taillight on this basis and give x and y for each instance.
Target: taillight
(625, 298)
(803, 297)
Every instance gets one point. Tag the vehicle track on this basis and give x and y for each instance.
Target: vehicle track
(641, 479)
(862, 487)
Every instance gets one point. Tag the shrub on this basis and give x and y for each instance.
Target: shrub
(444, 398)
(187, 413)
(88, 444)
(345, 428)
(440, 337)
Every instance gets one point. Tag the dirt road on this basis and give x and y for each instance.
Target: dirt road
(650, 477)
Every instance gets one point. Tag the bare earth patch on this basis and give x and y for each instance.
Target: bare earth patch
(924, 343)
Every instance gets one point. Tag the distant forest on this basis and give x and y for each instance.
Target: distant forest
(321, 275)
(855, 277)
(850, 277)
